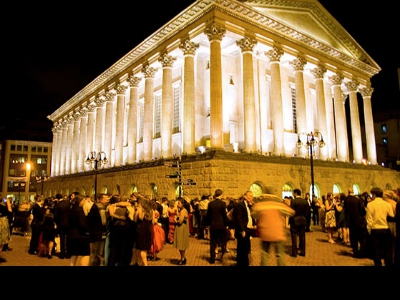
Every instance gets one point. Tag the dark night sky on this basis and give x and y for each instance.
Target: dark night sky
(54, 50)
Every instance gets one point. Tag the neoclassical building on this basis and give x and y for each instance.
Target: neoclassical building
(234, 90)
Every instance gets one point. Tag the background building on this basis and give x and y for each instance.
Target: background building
(25, 167)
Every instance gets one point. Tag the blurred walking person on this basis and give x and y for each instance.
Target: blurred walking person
(270, 213)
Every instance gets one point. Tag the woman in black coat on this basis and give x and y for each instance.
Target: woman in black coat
(78, 242)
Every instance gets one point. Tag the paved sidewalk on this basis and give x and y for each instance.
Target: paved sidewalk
(318, 253)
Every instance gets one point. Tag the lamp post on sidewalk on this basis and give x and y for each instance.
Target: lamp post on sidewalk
(97, 159)
(42, 178)
(310, 140)
(20, 185)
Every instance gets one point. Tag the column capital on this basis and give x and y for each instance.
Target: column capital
(246, 44)
(298, 63)
(83, 111)
(319, 72)
(70, 118)
(109, 96)
(366, 92)
(274, 55)
(215, 32)
(166, 60)
(148, 71)
(188, 47)
(352, 85)
(99, 100)
(336, 79)
(133, 81)
(121, 89)
(77, 114)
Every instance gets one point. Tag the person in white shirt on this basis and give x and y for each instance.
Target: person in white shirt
(378, 211)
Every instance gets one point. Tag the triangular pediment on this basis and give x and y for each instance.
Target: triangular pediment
(311, 19)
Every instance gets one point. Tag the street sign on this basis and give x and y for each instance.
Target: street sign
(188, 182)
(171, 164)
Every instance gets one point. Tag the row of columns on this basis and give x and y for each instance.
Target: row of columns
(93, 126)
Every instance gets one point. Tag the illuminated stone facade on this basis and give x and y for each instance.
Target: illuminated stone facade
(243, 77)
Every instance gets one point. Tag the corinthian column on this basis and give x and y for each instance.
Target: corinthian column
(108, 127)
(355, 121)
(82, 138)
(90, 131)
(64, 145)
(70, 143)
(318, 73)
(188, 131)
(340, 118)
(132, 117)
(167, 115)
(100, 125)
(75, 142)
(215, 32)
(119, 124)
(369, 125)
(56, 151)
(274, 57)
(246, 45)
(148, 73)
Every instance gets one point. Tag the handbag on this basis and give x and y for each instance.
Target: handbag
(229, 214)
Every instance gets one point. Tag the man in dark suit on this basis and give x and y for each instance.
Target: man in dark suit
(244, 228)
(218, 222)
(61, 210)
(355, 211)
(298, 223)
(38, 212)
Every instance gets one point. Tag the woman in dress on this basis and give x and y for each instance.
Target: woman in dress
(49, 231)
(172, 212)
(78, 242)
(158, 235)
(343, 230)
(181, 234)
(5, 236)
(330, 219)
(143, 217)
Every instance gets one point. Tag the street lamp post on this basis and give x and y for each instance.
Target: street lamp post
(28, 180)
(42, 178)
(97, 159)
(21, 184)
(311, 140)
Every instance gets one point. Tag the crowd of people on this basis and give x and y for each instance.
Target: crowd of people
(119, 230)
